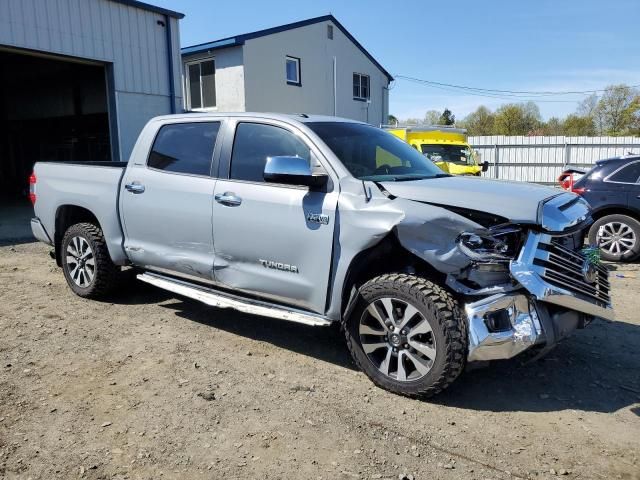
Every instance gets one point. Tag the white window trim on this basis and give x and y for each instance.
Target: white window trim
(187, 93)
(297, 82)
(360, 97)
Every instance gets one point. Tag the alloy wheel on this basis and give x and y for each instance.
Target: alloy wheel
(397, 339)
(616, 238)
(80, 261)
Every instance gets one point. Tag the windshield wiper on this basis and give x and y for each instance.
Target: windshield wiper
(419, 177)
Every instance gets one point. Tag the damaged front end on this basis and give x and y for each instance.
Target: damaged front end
(524, 283)
(540, 285)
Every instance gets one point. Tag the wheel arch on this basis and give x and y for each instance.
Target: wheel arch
(386, 256)
(614, 210)
(67, 215)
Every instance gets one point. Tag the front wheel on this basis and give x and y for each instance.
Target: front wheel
(618, 237)
(407, 335)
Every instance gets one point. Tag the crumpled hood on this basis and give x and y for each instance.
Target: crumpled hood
(516, 201)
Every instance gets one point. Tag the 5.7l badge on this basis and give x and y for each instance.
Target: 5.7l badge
(318, 218)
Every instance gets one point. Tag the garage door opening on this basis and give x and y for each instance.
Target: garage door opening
(51, 109)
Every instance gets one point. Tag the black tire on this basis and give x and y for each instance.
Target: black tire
(623, 220)
(104, 274)
(434, 304)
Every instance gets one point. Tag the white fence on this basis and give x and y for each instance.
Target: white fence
(542, 159)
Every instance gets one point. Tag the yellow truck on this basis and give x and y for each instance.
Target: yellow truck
(445, 146)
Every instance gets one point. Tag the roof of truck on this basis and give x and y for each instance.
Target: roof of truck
(287, 117)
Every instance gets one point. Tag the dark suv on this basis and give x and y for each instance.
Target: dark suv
(612, 188)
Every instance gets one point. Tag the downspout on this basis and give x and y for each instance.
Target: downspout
(172, 87)
(335, 88)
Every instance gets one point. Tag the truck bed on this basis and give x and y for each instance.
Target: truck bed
(94, 186)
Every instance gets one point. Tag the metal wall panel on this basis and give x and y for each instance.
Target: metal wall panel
(542, 159)
(101, 30)
(130, 39)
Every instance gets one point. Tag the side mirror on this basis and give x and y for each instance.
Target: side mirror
(485, 166)
(292, 171)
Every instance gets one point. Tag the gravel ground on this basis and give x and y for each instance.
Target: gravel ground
(149, 386)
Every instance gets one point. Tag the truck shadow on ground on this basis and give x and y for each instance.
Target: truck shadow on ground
(597, 369)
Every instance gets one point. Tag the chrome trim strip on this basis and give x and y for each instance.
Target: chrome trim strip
(530, 277)
(224, 300)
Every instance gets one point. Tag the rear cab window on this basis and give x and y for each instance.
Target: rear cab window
(184, 148)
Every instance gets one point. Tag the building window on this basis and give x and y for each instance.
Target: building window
(293, 71)
(330, 32)
(361, 87)
(201, 85)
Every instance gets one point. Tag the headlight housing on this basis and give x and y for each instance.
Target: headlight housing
(498, 244)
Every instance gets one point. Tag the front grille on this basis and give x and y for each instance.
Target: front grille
(562, 267)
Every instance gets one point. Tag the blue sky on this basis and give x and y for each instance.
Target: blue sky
(548, 45)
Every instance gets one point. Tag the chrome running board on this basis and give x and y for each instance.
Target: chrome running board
(224, 300)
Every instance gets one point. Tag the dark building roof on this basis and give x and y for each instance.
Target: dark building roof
(240, 39)
(151, 8)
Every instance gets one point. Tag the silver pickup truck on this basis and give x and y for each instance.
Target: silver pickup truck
(317, 220)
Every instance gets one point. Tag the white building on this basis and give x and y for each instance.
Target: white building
(313, 66)
(79, 79)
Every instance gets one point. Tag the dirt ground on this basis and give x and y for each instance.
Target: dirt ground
(149, 386)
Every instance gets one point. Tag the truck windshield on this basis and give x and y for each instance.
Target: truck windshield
(373, 154)
(458, 154)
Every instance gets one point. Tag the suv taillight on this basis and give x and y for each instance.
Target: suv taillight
(32, 188)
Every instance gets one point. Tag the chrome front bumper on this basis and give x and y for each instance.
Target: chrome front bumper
(524, 332)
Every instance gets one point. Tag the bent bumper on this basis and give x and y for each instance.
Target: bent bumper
(527, 322)
(39, 232)
(523, 332)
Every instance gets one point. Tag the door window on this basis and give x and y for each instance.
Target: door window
(184, 147)
(628, 174)
(255, 142)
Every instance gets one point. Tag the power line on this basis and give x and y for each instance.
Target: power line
(503, 96)
(508, 92)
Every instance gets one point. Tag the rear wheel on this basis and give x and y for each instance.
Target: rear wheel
(407, 335)
(86, 263)
(618, 237)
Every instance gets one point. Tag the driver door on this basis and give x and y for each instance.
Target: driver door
(272, 240)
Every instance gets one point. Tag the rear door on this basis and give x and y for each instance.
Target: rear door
(166, 203)
(274, 241)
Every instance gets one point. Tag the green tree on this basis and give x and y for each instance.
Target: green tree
(553, 126)
(392, 120)
(612, 115)
(579, 126)
(479, 122)
(431, 117)
(633, 115)
(447, 118)
(517, 119)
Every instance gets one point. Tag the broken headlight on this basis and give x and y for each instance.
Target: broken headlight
(494, 244)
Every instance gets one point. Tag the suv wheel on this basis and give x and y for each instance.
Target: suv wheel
(618, 237)
(407, 335)
(86, 263)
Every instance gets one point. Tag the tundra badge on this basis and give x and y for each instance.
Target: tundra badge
(279, 266)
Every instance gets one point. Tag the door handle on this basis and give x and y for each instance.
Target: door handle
(228, 198)
(134, 187)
